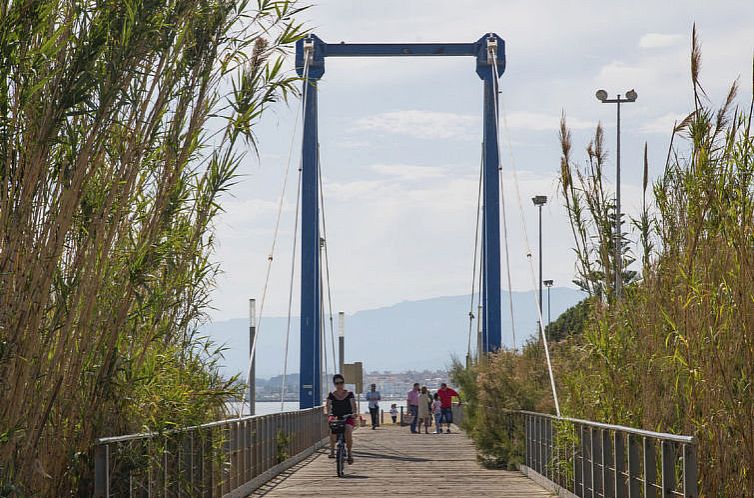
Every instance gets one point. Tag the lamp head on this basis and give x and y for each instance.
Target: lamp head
(631, 95)
(601, 95)
(539, 200)
(548, 283)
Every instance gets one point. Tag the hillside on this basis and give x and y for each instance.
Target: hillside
(409, 335)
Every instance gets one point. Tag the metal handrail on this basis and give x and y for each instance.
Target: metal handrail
(222, 458)
(630, 430)
(144, 435)
(597, 460)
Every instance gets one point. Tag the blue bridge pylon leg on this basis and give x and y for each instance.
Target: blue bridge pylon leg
(492, 326)
(311, 327)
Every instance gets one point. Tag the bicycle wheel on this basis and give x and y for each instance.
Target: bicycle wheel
(340, 460)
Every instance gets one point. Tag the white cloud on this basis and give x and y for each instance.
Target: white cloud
(538, 121)
(423, 124)
(409, 172)
(445, 125)
(660, 40)
(393, 238)
(347, 143)
(662, 124)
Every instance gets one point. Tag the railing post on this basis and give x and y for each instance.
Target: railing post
(586, 470)
(578, 487)
(261, 445)
(165, 468)
(186, 465)
(256, 457)
(596, 461)
(633, 466)
(689, 471)
(232, 457)
(549, 463)
(101, 471)
(619, 459)
(249, 449)
(668, 469)
(578, 464)
(538, 439)
(650, 468)
(608, 482)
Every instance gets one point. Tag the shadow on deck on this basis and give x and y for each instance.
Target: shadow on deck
(392, 462)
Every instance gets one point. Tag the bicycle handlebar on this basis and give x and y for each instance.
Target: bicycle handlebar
(349, 415)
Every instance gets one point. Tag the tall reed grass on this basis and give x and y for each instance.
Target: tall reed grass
(122, 122)
(676, 352)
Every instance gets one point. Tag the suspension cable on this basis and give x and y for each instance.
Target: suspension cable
(290, 295)
(322, 339)
(493, 55)
(480, 346)
(276, 231)
(327, 261)
(476, 251)
(507, 256)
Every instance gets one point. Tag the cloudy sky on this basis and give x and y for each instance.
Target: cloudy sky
(400, 138)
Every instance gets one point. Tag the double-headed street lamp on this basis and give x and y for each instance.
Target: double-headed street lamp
(539, 201)
(630, 97)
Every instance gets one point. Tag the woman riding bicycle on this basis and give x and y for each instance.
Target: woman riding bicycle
(340, 404)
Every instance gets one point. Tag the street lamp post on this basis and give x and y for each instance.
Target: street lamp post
(548, 284)
(630, 97)
(341, 340)
(539, 201)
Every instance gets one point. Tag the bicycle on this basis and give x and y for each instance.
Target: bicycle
(338, 427)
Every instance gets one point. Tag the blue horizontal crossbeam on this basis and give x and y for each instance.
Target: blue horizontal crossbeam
(399, 49)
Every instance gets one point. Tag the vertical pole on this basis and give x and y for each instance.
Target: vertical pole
(483, 281)
(650, 468)
(252, 371)
(619, 465)
(618, 231)
(479, 345)
(549, 318)
(491, 218)
(323, 329)
(341, 341)
(689, 471)
(309, 395)
(101, 471)
(540, 260)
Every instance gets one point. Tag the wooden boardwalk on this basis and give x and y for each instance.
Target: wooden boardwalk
(392, 462)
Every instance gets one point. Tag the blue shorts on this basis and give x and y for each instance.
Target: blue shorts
(447, 415)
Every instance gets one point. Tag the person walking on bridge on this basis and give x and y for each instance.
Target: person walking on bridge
(412, 401)
(446, 404)
(437, 413)
(373, 397)
(425, 400)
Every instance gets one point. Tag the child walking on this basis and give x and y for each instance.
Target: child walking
(394, 412)
(437, 412)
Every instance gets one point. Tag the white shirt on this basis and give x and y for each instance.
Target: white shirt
(373, 397)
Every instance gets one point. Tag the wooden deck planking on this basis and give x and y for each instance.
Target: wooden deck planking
(392, 462)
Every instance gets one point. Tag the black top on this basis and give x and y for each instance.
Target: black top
(341, 407)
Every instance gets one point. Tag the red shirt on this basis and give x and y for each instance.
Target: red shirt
(446, 396)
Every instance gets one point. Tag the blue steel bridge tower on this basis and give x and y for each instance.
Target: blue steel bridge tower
(489, 53)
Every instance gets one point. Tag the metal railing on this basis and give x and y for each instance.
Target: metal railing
(592, 460)
(226, 458)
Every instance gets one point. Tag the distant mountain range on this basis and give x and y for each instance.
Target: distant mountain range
(411, 335)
